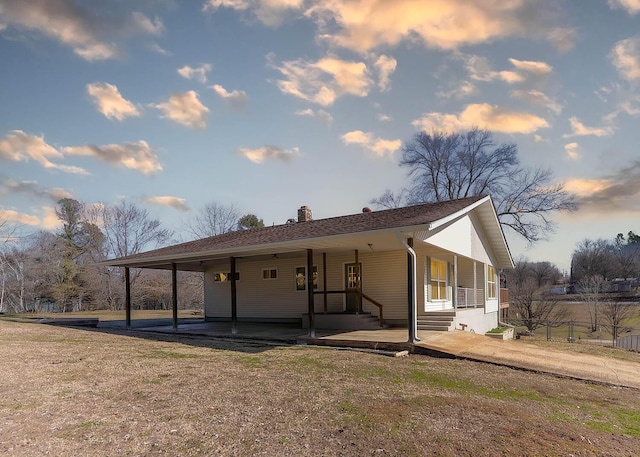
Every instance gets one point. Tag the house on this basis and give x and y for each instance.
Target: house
(432, 266)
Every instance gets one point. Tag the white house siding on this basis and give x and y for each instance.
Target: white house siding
(463, 237)
(217, 296)
(383, 279)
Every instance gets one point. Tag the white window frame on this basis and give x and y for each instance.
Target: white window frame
(438, 280)
(315, 277)
(492, 283)
(224, 277)
(270, 278)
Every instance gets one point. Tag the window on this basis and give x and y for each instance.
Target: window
(301, 278)
(224, 277)
(269, 273)
(491, 282)
(438, 280)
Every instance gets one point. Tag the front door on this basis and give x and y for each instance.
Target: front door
(352, 281)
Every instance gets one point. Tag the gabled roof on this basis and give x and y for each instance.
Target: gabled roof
(315, 234)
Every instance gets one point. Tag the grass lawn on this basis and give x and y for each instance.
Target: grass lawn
(87, 392)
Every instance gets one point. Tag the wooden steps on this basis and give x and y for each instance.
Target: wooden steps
(437, 321)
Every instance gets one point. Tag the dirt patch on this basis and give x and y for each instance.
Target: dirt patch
(85, 392)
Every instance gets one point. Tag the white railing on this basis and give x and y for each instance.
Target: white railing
(467, 298)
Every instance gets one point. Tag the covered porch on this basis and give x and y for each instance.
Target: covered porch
(334, 294)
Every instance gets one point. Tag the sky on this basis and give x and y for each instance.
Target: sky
(275, 104)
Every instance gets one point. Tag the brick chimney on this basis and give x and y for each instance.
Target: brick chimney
(304, 214)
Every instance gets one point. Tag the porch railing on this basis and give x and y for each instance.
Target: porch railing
(504, 297)
(469, 298)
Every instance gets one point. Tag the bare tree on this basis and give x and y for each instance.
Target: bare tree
(545, 273)
(445, 166)
(591, 289)
(128, 230)
(389, 199)
(214, 219)
(627, 254)
(533, 304)
(535, 307)
(614, 313)
(592, 258)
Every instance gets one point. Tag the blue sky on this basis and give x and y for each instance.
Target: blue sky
(274, 104)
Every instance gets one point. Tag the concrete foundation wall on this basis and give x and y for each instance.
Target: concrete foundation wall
(476, 320)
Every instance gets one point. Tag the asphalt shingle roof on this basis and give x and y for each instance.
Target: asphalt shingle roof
(340, 225)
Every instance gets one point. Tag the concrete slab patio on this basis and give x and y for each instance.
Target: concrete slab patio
(454, 344)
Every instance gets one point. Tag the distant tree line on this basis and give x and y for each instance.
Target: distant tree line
(60, 270)
(606, 259)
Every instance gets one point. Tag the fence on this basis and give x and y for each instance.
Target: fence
(629, 342)
(584, 332)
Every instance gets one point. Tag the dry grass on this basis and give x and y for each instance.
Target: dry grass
(85, 392)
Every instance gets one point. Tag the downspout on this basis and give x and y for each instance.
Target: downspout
(413, 309)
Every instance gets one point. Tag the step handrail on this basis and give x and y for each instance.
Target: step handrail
(361, 294)
(374, 302)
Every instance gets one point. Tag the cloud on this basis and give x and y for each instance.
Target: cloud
(490, 117)
(579, 129)
(631, 6)
(185, 108)
(18, 146)
(625, 99)
(110, 103)
(174, 202)
(383, 117)
(21, 218)
(49, 220)
(458, 90)
(10, 186)
(197, 73)
(386, 66)
(135, 156)
(573, 151)
(562, 38)
(146, 25)
(236, 99)
(269, 12)
(535, 97)
(526, 71)
(615, 193)
(155, 47)
(88, 30)
(368, 141)
(321, 115)
(625, 56)
(323, 81)
(362, 25)
(259, 155)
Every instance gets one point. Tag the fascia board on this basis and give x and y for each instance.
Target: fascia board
(258, 249)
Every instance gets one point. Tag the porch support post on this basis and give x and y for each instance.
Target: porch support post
(234, 297)
(411, 293)
(358, 297)
(127, 297)
(174, 294)
(311, 304)
(324, 279)
(475, 286)
(454, 298)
